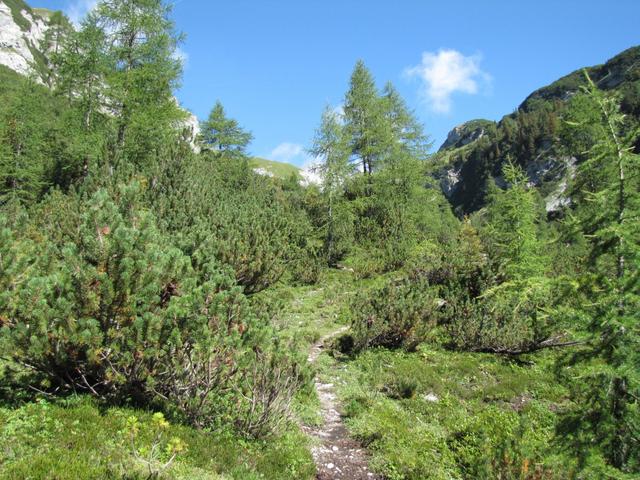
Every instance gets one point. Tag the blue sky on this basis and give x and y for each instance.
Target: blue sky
(276, 64)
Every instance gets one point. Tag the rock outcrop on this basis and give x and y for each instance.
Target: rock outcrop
(22, 31)
(466, 133)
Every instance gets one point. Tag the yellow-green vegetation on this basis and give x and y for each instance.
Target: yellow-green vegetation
(438, 413)
(43, 12)
(441, 414)
(308, 313)
(78, 438)
(312, 311)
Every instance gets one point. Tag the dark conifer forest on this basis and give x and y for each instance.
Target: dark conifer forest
(167, 310)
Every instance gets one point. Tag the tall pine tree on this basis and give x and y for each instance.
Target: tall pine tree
(122, 64)
(407, 130)
(365, 120)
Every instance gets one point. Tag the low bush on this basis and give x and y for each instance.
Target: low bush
(365, 262)
(106, 306)
(399, 314)
(218, 211)
(511, 318)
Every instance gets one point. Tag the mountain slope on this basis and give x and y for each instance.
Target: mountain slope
(284, 171)
(474, 153)
(272, 168)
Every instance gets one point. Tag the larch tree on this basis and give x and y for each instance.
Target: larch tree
(406, 129)
(141, 45)
(82, 65)
(608, 392)
(122, 64)
(401, 181)
(365, 121)
(222, 135)
(330, 145)
(80, 68)
(51, 44)
(23, 127)
(512, 231)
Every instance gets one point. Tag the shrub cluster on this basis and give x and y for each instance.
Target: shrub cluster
(398, 314)
(96, 299)
(487, 288)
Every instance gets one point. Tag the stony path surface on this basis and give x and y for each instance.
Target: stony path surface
(337, 456)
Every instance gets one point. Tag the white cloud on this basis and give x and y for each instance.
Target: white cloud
(78, 9)
(288, 152)
(445, 73)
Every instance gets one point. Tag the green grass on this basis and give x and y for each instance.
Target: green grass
(277, 169)
(77, 439)
(311, 311)
(439, 414)
(9, 79)
(11, 82)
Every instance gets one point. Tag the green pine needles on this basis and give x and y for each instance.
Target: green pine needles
(604, 431)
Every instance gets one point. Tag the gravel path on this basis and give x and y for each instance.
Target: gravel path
(337, 456)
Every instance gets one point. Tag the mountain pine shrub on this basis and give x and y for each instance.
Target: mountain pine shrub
(96, 300)
(400, 314)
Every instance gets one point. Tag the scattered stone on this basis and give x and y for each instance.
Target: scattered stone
(338, 456)
(431, 397)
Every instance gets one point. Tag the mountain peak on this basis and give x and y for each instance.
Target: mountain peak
(466, 133)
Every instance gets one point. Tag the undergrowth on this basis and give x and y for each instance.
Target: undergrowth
(439, 414)
(76, 438)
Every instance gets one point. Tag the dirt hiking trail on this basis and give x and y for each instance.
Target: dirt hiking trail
(337, 456)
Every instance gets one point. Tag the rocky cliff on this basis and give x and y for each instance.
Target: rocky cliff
(466, 133)
(22, 35)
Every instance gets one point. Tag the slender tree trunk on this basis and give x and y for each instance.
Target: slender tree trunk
(621, 188)
(130, 41)
(330, 229)
(621, 209)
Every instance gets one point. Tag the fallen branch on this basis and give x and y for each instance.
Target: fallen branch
(550, 343)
